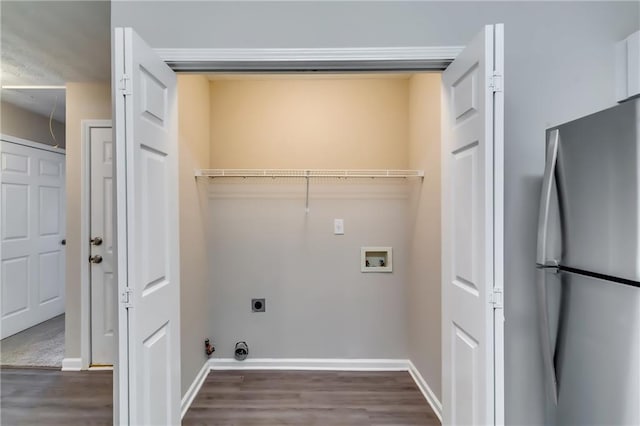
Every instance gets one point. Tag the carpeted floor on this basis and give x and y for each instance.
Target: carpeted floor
(39, 346)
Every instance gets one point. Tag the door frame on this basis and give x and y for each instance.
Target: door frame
(364, 59)
(418, 58)
(85, 236)
(342, 59)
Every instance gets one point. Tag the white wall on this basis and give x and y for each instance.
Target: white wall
(21, 123)
(262, 244)
(318, 303)
(559, 63)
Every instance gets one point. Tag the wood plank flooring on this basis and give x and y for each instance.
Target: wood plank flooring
(309, 398)
(51, 397)
(35, 396)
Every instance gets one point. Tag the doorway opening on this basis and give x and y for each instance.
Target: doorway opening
(275, 237)
(33, 249)
(98, 290)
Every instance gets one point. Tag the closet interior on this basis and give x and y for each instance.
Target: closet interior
(319, 193)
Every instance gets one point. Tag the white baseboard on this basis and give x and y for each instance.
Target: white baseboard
(328, 364)
(193, 390)
(72, 364)
(428, 394)
(318, 364)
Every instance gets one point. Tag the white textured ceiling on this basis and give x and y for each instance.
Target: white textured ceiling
(52, 43)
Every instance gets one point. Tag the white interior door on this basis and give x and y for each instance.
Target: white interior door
(33, 224)
(147, 206)
(472, 232)
(103, 292)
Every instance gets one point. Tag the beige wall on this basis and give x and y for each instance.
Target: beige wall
(425, 247)
(84, 101)
(310, 122)
(193, 118)
(263, 244)
(19, 122)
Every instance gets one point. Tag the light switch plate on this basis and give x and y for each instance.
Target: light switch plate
(338, 226)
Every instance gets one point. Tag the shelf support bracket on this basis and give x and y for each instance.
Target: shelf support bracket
(306, 208)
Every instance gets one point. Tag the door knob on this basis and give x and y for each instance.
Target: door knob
(95, 259)
(96, 241)
(63, 242)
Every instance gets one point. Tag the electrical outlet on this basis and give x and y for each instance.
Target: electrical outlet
(338, 226)
(258, 305)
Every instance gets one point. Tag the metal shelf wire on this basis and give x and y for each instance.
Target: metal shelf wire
(308, 174)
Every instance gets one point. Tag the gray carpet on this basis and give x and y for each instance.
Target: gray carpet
(39, 346)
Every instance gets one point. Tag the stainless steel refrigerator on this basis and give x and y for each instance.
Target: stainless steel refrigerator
(588, 266)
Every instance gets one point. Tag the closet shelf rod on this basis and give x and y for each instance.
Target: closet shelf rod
(309, 173)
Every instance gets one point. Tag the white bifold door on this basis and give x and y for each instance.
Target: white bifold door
(33, 224)
(146, 147)
(472, 151)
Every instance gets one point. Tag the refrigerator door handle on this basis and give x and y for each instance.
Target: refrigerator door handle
(551, 381)
(548, 182)
(543, 261)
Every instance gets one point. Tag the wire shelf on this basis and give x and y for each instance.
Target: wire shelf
(309, 173)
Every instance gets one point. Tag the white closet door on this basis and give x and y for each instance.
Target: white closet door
(33, 223)
(472, 223)
(147, 219)
(103, 291)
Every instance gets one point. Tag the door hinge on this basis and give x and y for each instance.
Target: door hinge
(496, 298)
(125, 85)
(126, 296)
(495, 82)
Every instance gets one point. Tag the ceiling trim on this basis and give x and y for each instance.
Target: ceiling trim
(322, 59)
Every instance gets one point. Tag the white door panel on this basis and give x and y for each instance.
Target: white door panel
(33, 222)
(15, 286)
(146, 120)
(103, 292)
(469, 385)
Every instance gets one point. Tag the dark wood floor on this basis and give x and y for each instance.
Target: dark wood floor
(51, 397)
(35, 396)
(309, 398)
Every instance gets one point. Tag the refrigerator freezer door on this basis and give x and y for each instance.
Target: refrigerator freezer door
(597, 178)
(598, 353)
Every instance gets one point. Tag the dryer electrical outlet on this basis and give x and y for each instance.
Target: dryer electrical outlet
(258, 305)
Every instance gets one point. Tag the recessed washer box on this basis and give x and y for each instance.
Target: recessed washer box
(376, 259)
